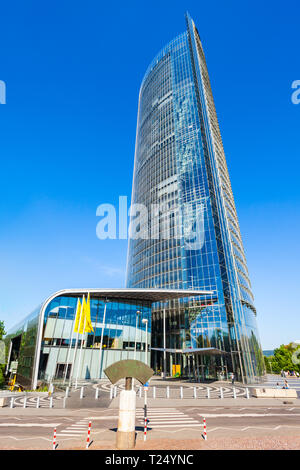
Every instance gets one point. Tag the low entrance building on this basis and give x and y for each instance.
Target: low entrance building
(46, 347)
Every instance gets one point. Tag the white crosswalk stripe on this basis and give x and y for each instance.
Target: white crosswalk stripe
(77, 429)
(168, 418)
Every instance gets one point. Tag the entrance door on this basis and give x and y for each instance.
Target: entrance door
(61, 370)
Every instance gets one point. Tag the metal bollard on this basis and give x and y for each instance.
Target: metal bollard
(195, 392)
(208, 392)
(247, 393)
(51, 402)
(25, 402)
(38, 402)
(12, 400)
(154, 392)
(67, 392)
(181, 392)
(234, 392)
(81, 392)
(221, 393)
(97, 393)
(168, 392)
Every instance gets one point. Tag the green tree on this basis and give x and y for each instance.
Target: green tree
(268, 363)
(2, 329)
(283, 359)
(2, 381)
(2, 366)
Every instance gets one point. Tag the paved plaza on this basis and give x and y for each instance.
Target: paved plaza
(174, 422)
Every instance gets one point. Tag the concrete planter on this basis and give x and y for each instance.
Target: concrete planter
(3, 402)
(274, 393)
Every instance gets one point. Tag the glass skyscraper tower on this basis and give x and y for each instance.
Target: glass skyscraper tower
(189, 237)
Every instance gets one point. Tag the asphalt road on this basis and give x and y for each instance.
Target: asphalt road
(36, 432)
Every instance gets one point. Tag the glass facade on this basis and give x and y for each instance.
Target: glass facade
(21, 344)
(194, 239)
(45, 341)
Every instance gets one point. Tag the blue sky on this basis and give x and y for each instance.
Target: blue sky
(73, 71)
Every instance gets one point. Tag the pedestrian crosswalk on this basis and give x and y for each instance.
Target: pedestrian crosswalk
(167, 418)
(75, 430)
(158, 418)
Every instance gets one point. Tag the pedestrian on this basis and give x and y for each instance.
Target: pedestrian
(286, 385)
(232, 379)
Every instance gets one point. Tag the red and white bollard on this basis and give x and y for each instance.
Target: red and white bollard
(88, 436)
(54, 439)
(145, 429)
(204, 429)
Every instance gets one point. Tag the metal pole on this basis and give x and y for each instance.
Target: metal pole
(135, 339)
(76, 344)
(136, 319)
(146, 343)
(70, 346)
(101, 341)
(145, 421)
(80, 353)
(97, 393)
(165, 357)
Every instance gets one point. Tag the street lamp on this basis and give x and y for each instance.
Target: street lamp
(146, 340)
(164, 339)
(136, 323)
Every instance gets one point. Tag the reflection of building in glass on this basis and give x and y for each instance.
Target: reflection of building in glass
(180, 173)
(45, 346)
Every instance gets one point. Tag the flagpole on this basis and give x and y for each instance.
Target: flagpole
(101, 341)
(76, 345)
(83, 299)
(71, 341)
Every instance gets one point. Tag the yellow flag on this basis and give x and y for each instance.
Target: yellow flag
(83, 322)
(77, 318)
(88, 323)
(83, 317)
